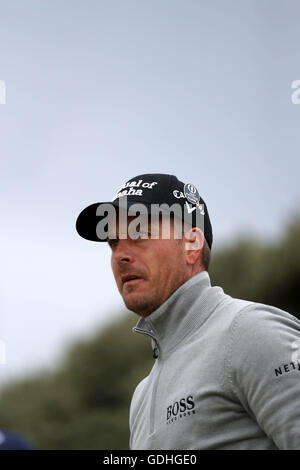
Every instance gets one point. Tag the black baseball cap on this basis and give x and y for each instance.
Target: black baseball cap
(154, 192)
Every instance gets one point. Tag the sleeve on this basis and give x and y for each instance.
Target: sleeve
(264, 371)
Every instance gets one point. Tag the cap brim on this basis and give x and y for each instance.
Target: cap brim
(87, 221)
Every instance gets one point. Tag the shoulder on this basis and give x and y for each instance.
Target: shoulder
(261, 334)
(260, 318)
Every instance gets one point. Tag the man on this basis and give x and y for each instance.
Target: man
(227, 371)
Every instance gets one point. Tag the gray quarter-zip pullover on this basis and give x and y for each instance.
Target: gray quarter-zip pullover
(226, 374)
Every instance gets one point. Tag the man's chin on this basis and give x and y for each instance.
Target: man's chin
(136, 303)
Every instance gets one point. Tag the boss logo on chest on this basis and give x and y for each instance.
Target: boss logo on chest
(180, 409)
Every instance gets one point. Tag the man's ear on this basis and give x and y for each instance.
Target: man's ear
(194, 242)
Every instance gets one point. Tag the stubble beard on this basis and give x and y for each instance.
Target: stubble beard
(141, 305)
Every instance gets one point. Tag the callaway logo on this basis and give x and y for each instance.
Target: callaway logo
(191, 209)
(190, 190)
(178, 194)
(128, 189)
(191, 193)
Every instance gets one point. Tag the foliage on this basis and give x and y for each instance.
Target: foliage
(85, 403)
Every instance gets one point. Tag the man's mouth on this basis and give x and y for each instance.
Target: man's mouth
(129, 279)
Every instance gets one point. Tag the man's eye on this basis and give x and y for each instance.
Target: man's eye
(113, 242)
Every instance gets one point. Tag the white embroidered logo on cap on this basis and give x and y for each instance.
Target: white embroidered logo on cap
(129, 188)
(191, 193)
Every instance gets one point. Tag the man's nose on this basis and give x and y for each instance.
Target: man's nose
(124, 253)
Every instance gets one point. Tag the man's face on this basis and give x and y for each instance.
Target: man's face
(147, 271)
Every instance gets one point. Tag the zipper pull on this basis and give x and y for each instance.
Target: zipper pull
(155, 353)
(155, 349)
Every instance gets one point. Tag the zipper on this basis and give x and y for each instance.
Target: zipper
(156, 355)
(144, 332)
(155, 351)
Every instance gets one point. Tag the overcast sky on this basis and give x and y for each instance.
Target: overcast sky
(98, 92)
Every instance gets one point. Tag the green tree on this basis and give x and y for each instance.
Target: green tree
(84, 403)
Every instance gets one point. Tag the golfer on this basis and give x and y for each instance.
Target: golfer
(227, 371)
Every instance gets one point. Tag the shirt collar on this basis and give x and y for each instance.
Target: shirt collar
(186, 309)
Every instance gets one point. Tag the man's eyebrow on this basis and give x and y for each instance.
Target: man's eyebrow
(111, 236)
